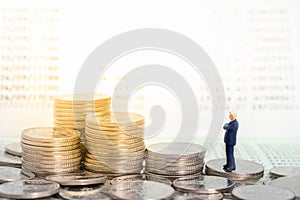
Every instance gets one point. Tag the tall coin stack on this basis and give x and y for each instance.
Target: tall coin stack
(115, 144)
(175, 159)
(47, 151)
(70, 111)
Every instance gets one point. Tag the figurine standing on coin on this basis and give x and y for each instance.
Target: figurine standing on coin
(230, 141)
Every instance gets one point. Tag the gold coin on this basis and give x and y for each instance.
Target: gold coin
(114, 162)
(46, 134)
(29, 156)
(67, 126)
(120, 137)
(114, 153)
(37, 165)
(58, 161)
(52, 153)
(110, 158)
(116, 165)
(110, 144)
(82, 98)
(132, 133)
(96, 168)
(114, 140)
(117, 118)
(50, 144)
(48, 149)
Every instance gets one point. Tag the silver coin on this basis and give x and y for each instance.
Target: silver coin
(262, 192)
(8, 174)
(284, 171)
(193, 196)
(142, 190)
(176, 149)
(76, 179)
(143, 177)
(87, 192)
(203, 184)
(291, 183)
(28, 189)
(244, 169)
(172, 177)
(9, 160)
(14, 149)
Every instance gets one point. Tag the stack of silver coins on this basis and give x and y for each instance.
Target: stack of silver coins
(247, 172)
(175, 159)
(47, 151)
(115, 144)
(70, 111)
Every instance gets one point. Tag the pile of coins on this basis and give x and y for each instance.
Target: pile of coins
(115, 144)
(70, 111)
(247, 172)
(175, 160)
(47, 151)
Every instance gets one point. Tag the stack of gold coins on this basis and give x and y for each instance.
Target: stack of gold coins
(47, 151)
(115, 144)
(70, 111)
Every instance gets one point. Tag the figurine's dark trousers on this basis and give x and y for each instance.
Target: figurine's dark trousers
(230, 162)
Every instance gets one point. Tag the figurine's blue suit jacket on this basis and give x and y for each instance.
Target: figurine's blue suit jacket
(231, 130)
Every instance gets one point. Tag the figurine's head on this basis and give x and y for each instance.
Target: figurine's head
(232, 115)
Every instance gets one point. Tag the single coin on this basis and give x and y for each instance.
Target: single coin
(117, 118)
(284, 171)
(81, 98)
(28, 189)
(26, 147)
(193, 196)
(262, 192)
(144, 177)
(8, 174)
(9, 160)
(87, 192)
(14, 149)
(48, 134)
(291, 183)
(142, 190)
(204, 184)
(244, 169)
(172, 177)
(76, 179)
(175, 149)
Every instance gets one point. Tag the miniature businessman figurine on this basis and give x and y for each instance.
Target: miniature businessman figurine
(230, 141)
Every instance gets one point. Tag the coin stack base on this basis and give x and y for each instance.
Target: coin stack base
(247, 172)
(46, 151)
(175, 159)
(115, 144)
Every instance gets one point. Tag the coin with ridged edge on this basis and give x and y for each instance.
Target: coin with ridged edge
(192, 196)
(77, 179)
(28, 189)
(9, 160)
(14, 149)
(141, 190)
(204, 184)
(277, 172)
(90, 192)
(262, 192)
(244, 169)
(144, 177)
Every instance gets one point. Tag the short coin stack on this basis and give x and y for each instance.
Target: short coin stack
(47, 151)
(247, 172)
(115, 144)
(175, 159)
(70, 110)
